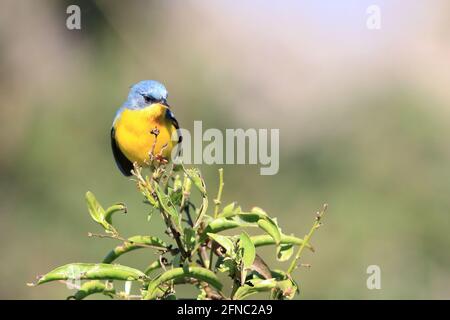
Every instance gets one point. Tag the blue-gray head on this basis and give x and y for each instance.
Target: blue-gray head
(145, 93)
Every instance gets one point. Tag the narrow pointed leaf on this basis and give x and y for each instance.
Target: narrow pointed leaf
(198, 273)
(120, 207)
(95, 209)
(285, 251)
(177, 183)
(92, 271)
(136, 242)
(224, 241)
(168, 207)
(286, 286)
(196, 178)
(249, 251)
(97, 213)
(152, 267)
(229, 211)
(259, 211)
(187, 185)
(222, 224)
(189, 238)
(287, 289)
(245, 217)
(202, 211)
(248, 254)
(257, 285)
(271, 228)
(92, 287)
(265, 240)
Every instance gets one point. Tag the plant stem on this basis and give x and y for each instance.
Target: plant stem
(219, 193)
(216, 212)
(175, 233)
(316, 225)
(236, 284)
(211, 256)
(188, 214)
(191, 223)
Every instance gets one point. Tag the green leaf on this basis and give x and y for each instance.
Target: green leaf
(189, 238)
(93, 287)
(201, 212)
(284, 251)
(265, 240)
(175, 196)
(136, 242)
(228, 265)
(198, 273)
(245, 217)
(222, 224)
(229, 210)
(195, 176)
(187, 185)
(257, 285)
(279, 274)
(259, 212)
(271, 228)
(95, 209)
(177, 183)
(92, 271)
(120, 207)
(97, 213)
(176, 193)
(168, 207)
(286, 287)
(202, 295)
(248, 254)
(249, 251)
(152, 267)
(149, 198)
(224, 241)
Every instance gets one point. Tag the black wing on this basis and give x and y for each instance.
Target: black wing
(174, 121)
(125, 166)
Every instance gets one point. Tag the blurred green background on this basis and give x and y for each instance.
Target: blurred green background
(363, 118)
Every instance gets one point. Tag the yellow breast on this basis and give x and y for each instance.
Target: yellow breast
(133, 133)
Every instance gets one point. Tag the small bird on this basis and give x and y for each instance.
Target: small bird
(144, 117)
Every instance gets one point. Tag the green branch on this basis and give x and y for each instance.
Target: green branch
(316, 225)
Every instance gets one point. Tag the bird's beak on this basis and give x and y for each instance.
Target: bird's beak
(164, 102)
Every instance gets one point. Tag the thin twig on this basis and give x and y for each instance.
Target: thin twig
(175, 233)
(316, 225)
(216, 212)
(188, 214)
(138, 244)
(219, 193)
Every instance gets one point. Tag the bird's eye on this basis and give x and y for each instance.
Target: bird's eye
(148, 99)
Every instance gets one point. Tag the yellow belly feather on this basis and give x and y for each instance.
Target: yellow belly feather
(133, 133)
